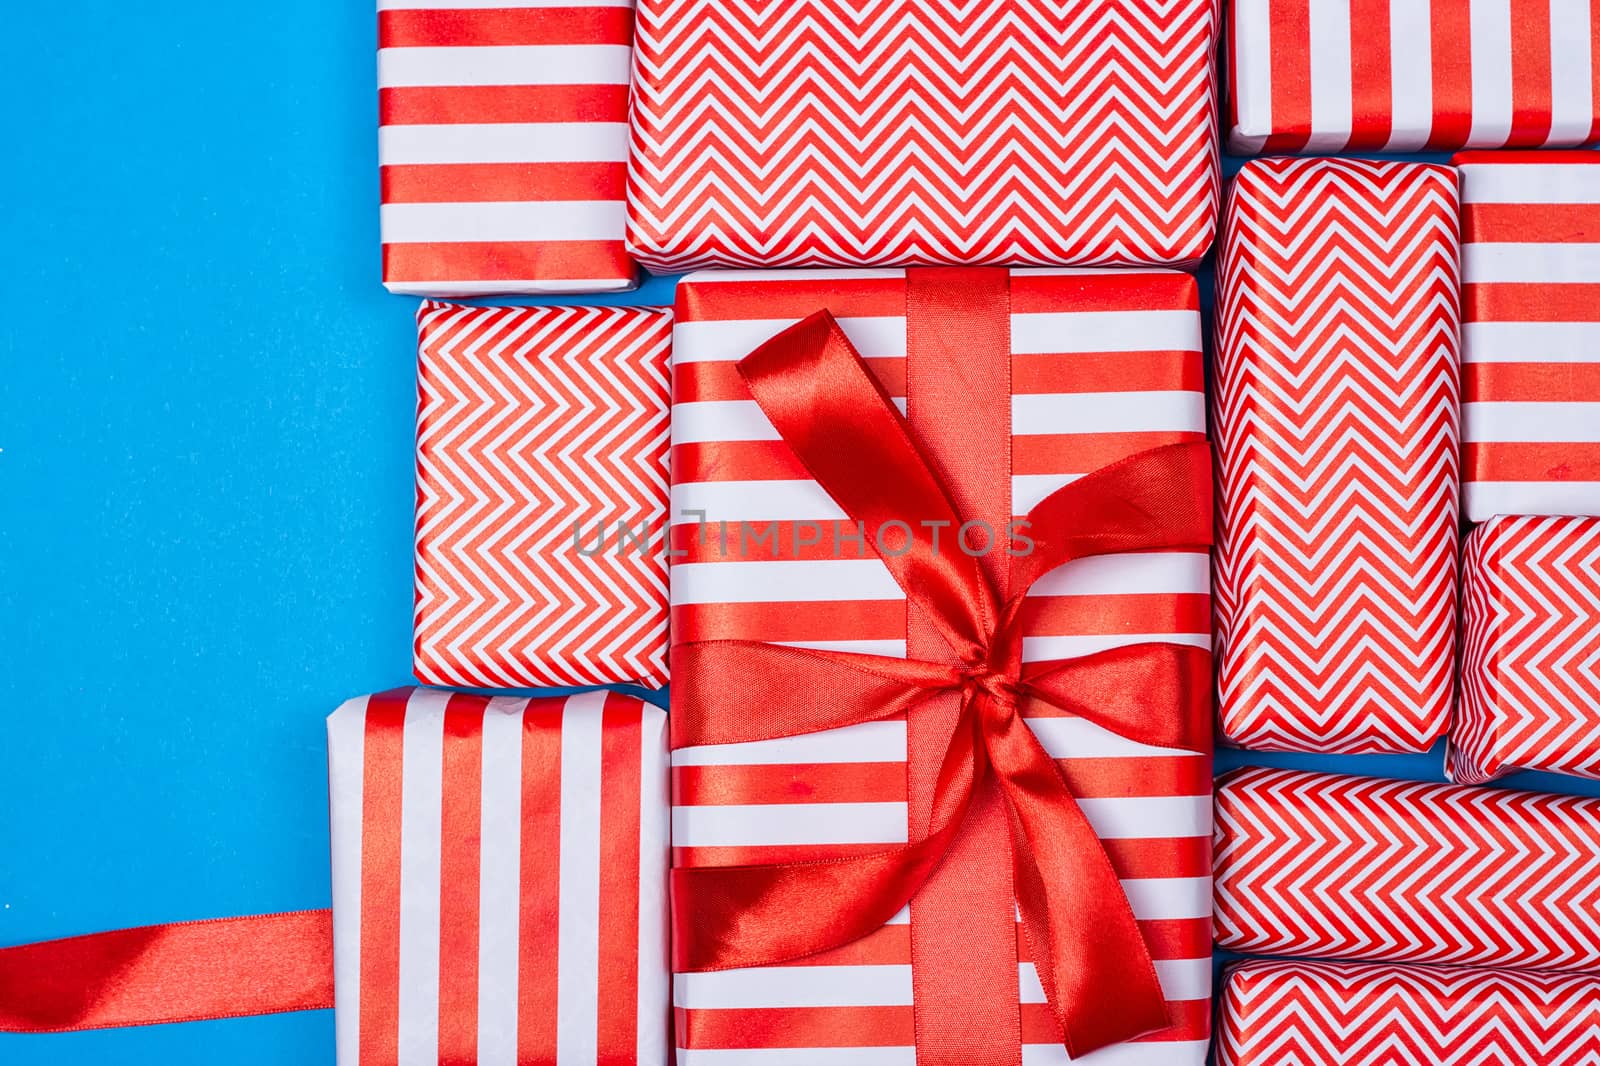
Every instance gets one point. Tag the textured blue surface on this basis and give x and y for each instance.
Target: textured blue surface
(206, 411)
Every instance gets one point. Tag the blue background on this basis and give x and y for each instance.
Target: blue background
(206, 418)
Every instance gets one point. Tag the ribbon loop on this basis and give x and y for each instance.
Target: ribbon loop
(1092, 960)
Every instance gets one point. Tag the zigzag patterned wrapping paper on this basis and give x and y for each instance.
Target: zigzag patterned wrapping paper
(502, 143)
(1530, 666)
(856, 132)
(1104, 364)
(499, 879)
(1330, 866)
(1335, 414)
(1330, 76)
(1355, 1014)
(541, 495)
(1530, 414)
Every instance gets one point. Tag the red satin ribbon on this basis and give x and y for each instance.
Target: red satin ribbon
(1092, 960)
(182, 972)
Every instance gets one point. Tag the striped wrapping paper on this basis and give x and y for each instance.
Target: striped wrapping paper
(1530, 636)
(1530, 417)
(499, 879)
(502, 142)
(1331, 866)
(1103, 364)
(1292, 1013)
(1327, 76)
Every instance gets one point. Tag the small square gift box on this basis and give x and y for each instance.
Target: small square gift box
(1409, 75)
(1336, 413)
(1293, 1013)
(940, 706)
(502, 145)
(1530, 635)
(499, 879)
(859, 133)
(1325, 865)
(541, 495)
(1530, 272)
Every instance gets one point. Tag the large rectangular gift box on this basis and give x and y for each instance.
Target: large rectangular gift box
(1101, 364)
(854, 132)
(1336, 412)
(502, 145)
(1292, 1013)
(499, 879)
(1324, 865)
(1530, 635)
(1406, 75)
(541, 495)
(1530, 390)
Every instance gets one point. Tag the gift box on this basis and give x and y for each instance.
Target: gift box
(1311, 1014)
(1017, 383)
(1313, 864)
(1530, 664)
(1336, 426)
(502, 145)
(1403, 76)
(850, 132)
(542, 444)
(1530, 413)
(499, 879)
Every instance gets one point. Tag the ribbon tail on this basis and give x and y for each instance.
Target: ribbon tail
(180, 972)
(1155, 693)
(1091, 957)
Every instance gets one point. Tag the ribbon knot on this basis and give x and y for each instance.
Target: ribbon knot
(1082, 935)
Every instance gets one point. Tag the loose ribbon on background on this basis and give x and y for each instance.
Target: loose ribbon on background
(1092, 960)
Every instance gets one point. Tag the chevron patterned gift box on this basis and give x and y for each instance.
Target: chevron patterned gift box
(1360, 1014)
(1530, 415)
(1324, 865)
(1530, 665)
(541, 495)
(1407, 75)
(502, 143)
(499, 879)
(857, 132)
(1103, 364)
(1336, 410)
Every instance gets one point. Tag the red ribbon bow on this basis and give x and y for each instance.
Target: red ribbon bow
(1091, 958)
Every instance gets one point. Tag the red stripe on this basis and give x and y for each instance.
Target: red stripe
(1178, 938)
(1125, 371)
(452, 28)
(436, 105)
(1531, 462)
(865, 782)
(1082, 453)
(1544, 156)
(1145, 858)
(460, 860)
(720, 380)
(1111, 290)
(537, 1006)
(1191, 1020)
(1154, 775)
(728, 301)
(1530, 74)
(1291, 76)
(381, 763)
(1107, 615)
(1530, 223)
(460, 183)
(1531, 382)
(1451, 44)
(777, 853)
(506, 261)
(1371, 76)
(620, 767)
(1524, 302)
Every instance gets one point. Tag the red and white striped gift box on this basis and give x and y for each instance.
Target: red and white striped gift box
(1336, 425)
(1290, 1013)
(502, 142)
(1530, 635)
(1324, 865)
(499, 879)
(1530, 414)
(1406, 75)
(541, 495)
(856, 132)
(1103, 364)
